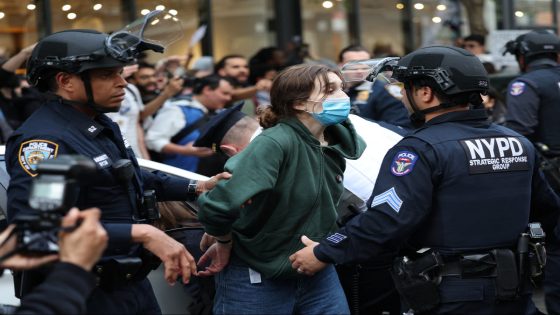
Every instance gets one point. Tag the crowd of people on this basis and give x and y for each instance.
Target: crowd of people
(325, 197)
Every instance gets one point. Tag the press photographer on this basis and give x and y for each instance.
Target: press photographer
(69, 283)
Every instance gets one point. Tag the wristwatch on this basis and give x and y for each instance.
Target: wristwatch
(191, 188)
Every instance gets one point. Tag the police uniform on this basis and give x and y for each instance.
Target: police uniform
(458, 185)
(532, 103)
(532, 110)
(376, 102)
(58, 128)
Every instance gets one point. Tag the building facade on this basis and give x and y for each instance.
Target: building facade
(245, 26)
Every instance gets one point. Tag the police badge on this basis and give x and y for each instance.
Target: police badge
(33, 151)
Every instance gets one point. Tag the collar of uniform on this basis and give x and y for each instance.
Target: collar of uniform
(81, 121)
(542, 63)
(465, 115)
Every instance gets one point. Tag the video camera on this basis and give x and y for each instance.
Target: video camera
(53, 192)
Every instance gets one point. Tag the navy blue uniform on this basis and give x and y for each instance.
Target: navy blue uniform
(457, 185)
(532, 103)
(532, 110)
(58, 128)
(374, 102)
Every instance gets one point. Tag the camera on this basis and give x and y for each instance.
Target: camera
(53, 192)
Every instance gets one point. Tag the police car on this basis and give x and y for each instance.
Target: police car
(172, 300)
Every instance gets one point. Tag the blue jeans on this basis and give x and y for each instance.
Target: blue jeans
(319, 294)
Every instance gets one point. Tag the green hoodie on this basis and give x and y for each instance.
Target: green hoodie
(294, 185)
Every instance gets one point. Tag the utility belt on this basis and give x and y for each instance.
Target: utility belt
(121, 271)
(417, 279)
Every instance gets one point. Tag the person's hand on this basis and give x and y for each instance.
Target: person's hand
(218, 254)
(304, 261)
(19, 261)
(174, 86)
(206, 241)
(189, 149)
(206, 185)
(263, 85)
(176, 259)
(129, 70)
(85, 245)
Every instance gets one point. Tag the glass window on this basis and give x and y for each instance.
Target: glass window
(18, 26)
(381, 27)
(101, 15)
(437, 21)
(532, 13)
(325, 27)
(187, 12)
(241, 27)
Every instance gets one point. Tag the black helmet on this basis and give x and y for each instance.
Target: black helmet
(454, 70)
(75, 51)
(72, 51)
(533, 43)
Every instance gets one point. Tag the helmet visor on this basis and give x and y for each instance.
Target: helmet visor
(155, 31)
(370, 70)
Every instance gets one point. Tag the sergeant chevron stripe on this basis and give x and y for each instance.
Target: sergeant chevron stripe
(390, 197)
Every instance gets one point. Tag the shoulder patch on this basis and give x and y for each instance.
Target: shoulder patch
(517, 88)
(33, 151)
(362, 96)
(394, 90)
(403, 163)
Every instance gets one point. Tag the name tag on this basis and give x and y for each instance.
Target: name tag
(103, 161)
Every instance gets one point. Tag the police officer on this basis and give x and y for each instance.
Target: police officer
(458, 185)
(81, 69)
(533, 111)
(532, 97)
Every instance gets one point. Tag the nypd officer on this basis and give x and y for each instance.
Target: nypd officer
(533, 111)
(532, 97)
(459, 186)
(81, 69)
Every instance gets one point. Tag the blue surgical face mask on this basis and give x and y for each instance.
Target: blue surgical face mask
(335, 111)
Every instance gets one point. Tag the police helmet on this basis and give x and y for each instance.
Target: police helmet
(533, 43)
(75, 51)
(454, 70)
(72, 51)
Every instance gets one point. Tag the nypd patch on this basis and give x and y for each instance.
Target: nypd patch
(403, 163)
(517, 88)
(34, 151)
(498, 154)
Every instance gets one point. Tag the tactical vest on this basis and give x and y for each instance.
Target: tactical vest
(482, 187)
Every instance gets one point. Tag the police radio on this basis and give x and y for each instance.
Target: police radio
(53, 192)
